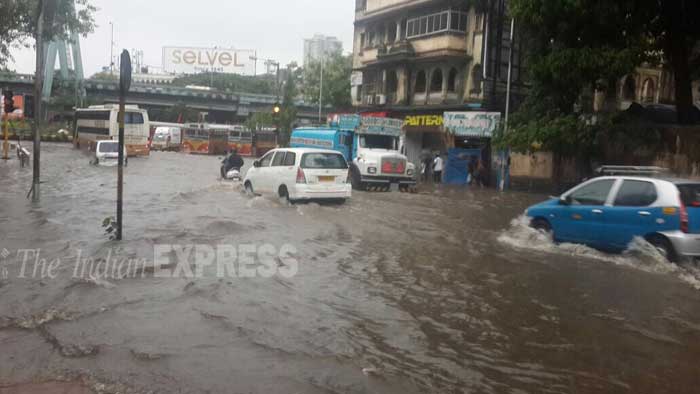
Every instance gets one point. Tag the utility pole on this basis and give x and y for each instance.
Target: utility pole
(38, 104)
(506, 154)
(111, 51)
(124, 85)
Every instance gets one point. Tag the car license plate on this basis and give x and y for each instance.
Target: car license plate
(394, 187)
(326, 179)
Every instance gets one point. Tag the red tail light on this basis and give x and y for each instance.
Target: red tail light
(685, 227)
(301, 177)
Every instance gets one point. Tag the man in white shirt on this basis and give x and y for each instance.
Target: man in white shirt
(438, 166)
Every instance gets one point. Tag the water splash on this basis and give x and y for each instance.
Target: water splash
(640, 254)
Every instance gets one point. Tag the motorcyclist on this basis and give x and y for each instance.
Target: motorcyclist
(233, 161)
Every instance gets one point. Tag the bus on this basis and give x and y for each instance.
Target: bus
(265, 141)
(100, 122)
(213, 139)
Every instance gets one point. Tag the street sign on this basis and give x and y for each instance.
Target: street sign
(125, 73)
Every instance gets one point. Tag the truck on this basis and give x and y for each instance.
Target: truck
(167, 138)
(371, 147)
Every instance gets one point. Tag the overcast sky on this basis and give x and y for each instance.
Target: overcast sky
(275, 28)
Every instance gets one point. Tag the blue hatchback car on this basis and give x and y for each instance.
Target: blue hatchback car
(607, 213)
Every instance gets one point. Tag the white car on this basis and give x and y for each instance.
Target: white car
(300, 174)
(107, 153)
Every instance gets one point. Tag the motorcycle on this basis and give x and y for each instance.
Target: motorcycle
(233, 175)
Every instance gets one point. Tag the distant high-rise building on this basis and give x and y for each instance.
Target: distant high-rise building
(316, 47)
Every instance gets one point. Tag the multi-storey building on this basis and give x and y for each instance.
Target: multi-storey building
(321, 46)
(417, 59)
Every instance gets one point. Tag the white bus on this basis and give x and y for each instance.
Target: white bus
(100, 122)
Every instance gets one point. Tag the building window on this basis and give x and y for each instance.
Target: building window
(436, 81)
(392, 86)
(452, 81)
(391, 33)
(649, 90)
(479, 22)
(445, 21)
(476, 79)
(360, 5)
(420, 82)
(629, 91)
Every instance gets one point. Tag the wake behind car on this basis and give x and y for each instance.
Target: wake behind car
(300, 174)
(607, 213)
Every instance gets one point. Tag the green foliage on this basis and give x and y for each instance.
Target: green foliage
(260, 120)
(289, 110)
(336, 81)
(264, 84)
(18, 21)
(178, 112)
(110, 224)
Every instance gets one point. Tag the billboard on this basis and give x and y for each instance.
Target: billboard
(187, 60)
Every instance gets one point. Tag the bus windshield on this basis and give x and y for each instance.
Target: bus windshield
(379, 142)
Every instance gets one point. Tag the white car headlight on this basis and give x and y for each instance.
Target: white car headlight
(372, 170)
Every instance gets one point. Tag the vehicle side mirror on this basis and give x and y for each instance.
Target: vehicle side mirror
(565, 200)
(256, 164)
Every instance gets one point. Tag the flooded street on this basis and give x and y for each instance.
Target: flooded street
(444, 291)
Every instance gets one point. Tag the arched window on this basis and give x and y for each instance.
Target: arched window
(476, 79)
(436, 81)
(452, 81)
(420, 82)
(629, 90)
(649, 90)
(392, 82)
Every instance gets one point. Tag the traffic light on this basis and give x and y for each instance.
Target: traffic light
(276, 111)
(9, 101)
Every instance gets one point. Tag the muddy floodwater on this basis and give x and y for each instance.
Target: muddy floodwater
(444, 291)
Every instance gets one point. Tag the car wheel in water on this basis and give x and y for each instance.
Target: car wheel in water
(284, 194)
(541, 225)
(664, 247)
(249, 189)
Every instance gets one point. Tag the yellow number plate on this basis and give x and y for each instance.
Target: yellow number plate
(326, 179)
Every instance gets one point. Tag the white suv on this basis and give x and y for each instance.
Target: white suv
(300, 174)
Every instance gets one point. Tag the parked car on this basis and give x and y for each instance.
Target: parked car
(300, 174)
(607, 213)
(107, 153)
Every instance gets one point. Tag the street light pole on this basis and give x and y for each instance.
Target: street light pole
(320, 90)
(111, 50)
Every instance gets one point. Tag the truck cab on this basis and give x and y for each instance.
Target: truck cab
(370, 145)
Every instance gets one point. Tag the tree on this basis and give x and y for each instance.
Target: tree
(575, 44)
(336, 81)
(289, 110)
(675, 31)
(18, 22)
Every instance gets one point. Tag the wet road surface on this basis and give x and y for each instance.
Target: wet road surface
(445, 291)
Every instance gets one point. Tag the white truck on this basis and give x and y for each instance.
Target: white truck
(167, 139)
(370, 145)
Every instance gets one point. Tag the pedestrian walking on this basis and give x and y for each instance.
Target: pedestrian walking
(438, 166)
(479, 173)
(425, 168)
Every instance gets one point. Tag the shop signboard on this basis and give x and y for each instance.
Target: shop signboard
(472, 124)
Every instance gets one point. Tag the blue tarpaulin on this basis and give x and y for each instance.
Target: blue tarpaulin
(458, 165)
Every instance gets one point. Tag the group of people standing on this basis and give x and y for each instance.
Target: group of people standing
(476, 171)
